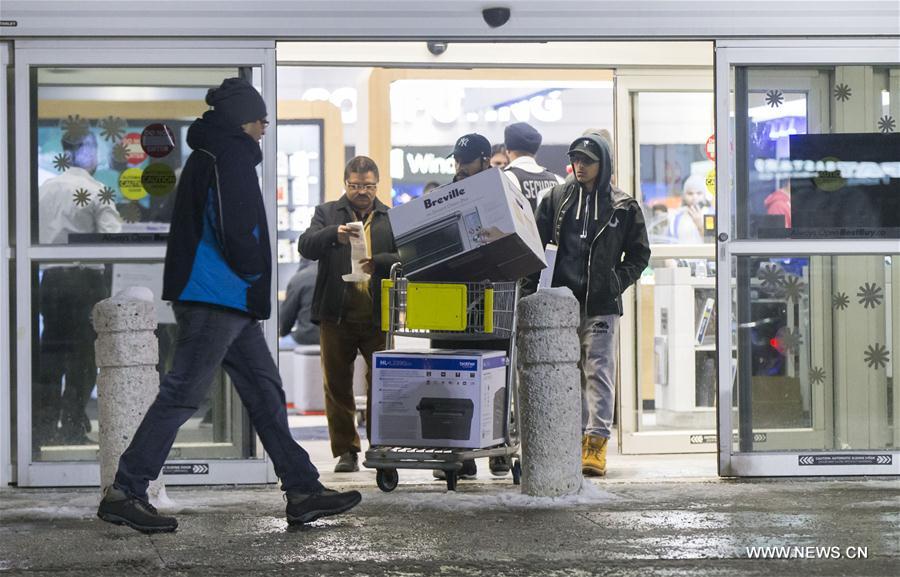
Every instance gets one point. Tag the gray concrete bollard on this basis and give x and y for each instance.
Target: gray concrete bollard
(549, 393)
(127, 352)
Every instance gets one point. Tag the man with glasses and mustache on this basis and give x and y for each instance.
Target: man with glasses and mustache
(349, 313)
(602, 249)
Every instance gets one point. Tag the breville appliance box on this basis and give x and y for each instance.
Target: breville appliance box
(479, 228)
(439, 398)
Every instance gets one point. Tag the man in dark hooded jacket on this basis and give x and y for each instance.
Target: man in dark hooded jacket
(218, 275)
(602, 249)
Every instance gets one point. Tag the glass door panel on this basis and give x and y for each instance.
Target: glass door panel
(671, 405)
(104, 145)
(813, 273)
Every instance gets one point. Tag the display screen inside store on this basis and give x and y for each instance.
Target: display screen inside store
(837, 186)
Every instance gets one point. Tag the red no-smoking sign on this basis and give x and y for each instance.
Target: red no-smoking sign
(157, 140)
(711, 147)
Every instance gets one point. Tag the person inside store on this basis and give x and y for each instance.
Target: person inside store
(602, 250)
(70, 204)
(528, 177)
(218, 274)
(471, 155)
(349, 313)
(686, 226)
(295, 326)
(499, 156)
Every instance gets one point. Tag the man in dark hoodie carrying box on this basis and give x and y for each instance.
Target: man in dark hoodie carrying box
(602, 249)
(218, 275)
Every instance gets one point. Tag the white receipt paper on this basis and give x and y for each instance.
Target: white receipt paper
(357, 253)
(546, 279)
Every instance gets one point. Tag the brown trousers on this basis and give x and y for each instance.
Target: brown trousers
(340, 344)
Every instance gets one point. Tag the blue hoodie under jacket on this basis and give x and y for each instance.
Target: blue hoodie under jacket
(218, 251)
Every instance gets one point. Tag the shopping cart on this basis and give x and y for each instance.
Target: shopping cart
(467, 311)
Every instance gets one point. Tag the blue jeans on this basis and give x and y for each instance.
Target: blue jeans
(598, 335)
(209, 337)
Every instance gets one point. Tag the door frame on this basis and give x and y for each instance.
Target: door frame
(6, 256)
(821, 52)
(629, 82)
(149, 53)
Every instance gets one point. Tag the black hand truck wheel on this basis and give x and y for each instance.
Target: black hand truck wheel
(387, 479)
(452, 478)
(517, 472)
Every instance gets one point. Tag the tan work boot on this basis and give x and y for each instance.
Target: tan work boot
(584, 445)
(593, 461)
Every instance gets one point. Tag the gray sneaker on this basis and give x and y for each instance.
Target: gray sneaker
(347, 463)
(119, 508)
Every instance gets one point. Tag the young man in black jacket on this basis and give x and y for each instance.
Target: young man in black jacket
(349, 313)
(218, 274)
(602, 249)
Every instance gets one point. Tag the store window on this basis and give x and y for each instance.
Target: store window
(109, 147)
(429, 114)
(677, 176)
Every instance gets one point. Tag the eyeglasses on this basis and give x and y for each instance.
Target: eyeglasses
(582, 160)
(361, 186)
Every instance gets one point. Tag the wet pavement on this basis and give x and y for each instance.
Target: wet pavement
(624, 526)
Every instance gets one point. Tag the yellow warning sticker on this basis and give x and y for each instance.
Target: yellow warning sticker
(130, 184)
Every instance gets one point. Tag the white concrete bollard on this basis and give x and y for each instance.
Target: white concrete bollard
(549, 393)
(127, 352)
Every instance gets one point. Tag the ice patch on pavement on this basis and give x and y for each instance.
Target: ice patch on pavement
(463, 500)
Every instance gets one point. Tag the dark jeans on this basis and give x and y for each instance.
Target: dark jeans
(208, 337)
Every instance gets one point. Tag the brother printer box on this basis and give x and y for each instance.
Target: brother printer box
(479, 228)
(439, 398)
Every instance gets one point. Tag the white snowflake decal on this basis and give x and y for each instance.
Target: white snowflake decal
(81, 197)
(840, 300)
(131, 212)
(774, 98)
(886, 124)
(817, 375)
(793, 288)
(112, 128)
(792, 340)
(771, 275)
(74, 128)
(62, 162)
(106, 195)
(870, 295)
(877, 356)
(842, 92)
(119, 152)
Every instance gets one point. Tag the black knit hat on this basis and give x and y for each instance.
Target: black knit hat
(522, 136)
(237, 101)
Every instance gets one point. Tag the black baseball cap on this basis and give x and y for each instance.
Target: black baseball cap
(587, 147)
(471, 147)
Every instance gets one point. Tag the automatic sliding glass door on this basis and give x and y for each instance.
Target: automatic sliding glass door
(809, 259)
(103, 142)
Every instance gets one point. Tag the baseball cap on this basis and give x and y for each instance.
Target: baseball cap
(471, 147)
(587, 147)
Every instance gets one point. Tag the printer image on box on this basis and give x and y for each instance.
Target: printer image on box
(478, 228)
(439, 398)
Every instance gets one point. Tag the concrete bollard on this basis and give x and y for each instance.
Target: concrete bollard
(549, 393)
(127, 352)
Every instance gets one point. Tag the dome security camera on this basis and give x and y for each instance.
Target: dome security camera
(437, 48)
(495, 17)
